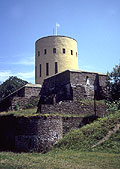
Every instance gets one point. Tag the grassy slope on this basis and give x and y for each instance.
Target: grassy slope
(59, 160)
(32, 112)
(70, 152)
(83, 139)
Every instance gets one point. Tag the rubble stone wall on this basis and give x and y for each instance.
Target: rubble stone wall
(37, 133)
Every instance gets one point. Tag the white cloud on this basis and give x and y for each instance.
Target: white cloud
(5, 75)
(26, 61)
(23, 75)
(20, 59)
(26, 75)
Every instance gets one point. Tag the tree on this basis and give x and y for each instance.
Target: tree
(10, 85)
(114, 83)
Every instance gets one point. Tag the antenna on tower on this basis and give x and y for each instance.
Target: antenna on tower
(57, 25)
(53, 32)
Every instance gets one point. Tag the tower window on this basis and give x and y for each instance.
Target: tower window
(71, 52)
(56, 67)
(54, 50)
(38, 53)
(64, 50)
(36, 72)
(47, 69)
(76, 54)
(45, 51)
(40, 70)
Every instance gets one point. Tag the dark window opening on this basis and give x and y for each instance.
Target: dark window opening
(36, 71)
(56, 67)
(71, 52)
(76, 54)
(40, 70)
(45, 51)
(54, 50)
(47, 69)
(63, 50)
(38, 53)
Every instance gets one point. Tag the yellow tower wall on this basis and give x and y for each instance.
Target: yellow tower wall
(64, 61)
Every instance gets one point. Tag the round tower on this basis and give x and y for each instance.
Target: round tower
(54, 54)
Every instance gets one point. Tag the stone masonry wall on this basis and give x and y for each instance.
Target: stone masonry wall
(75, 108)
(38, 133)
(55, 85)
(21, 97)
(32, 91)
(63, 92)
(23, 102)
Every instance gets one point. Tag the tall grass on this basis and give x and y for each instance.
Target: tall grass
(83, 139)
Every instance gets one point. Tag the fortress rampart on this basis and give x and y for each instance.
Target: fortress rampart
(37, 133)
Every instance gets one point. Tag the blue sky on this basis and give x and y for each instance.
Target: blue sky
(95, 24)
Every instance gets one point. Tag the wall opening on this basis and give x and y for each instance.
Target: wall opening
(56, 67)
(40, 70)
(71, 52)
(47, 69)
(87, 80)
(38, 53)
(54, 50)
(45, 51)
(63, 50)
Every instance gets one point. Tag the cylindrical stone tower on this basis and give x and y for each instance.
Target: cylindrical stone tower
(54, 54)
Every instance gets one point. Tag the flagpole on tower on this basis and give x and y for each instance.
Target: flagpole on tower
(57, 25)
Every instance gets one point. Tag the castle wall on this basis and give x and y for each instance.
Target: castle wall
(75, 108)
(31, 91)
(20, 97)
(37, 133)
(65, 60)
(69, 85)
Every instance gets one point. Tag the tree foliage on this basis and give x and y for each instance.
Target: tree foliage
(114, 83)
(10, 85)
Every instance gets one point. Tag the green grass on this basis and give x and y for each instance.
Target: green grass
(32, 112)
(75, 150)
(112, 145)
(59, 160)
(26, 112)
(87, 102)
(84, 138)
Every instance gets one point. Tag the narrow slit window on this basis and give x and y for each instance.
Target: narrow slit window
(47, 69)
(63, 50)
(54, 50)
(76, 54)
(71, 52)
(36, 71)
(40, 70)
(38, 53)
(45, 51)
(56, 67)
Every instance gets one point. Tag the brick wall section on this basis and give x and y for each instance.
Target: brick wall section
(20, 97)
(31, 91)
(76, 108)
(62, 93)
(71, 123)
(79, 78)
(23, 102)
(37, 133)
(57, 84)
